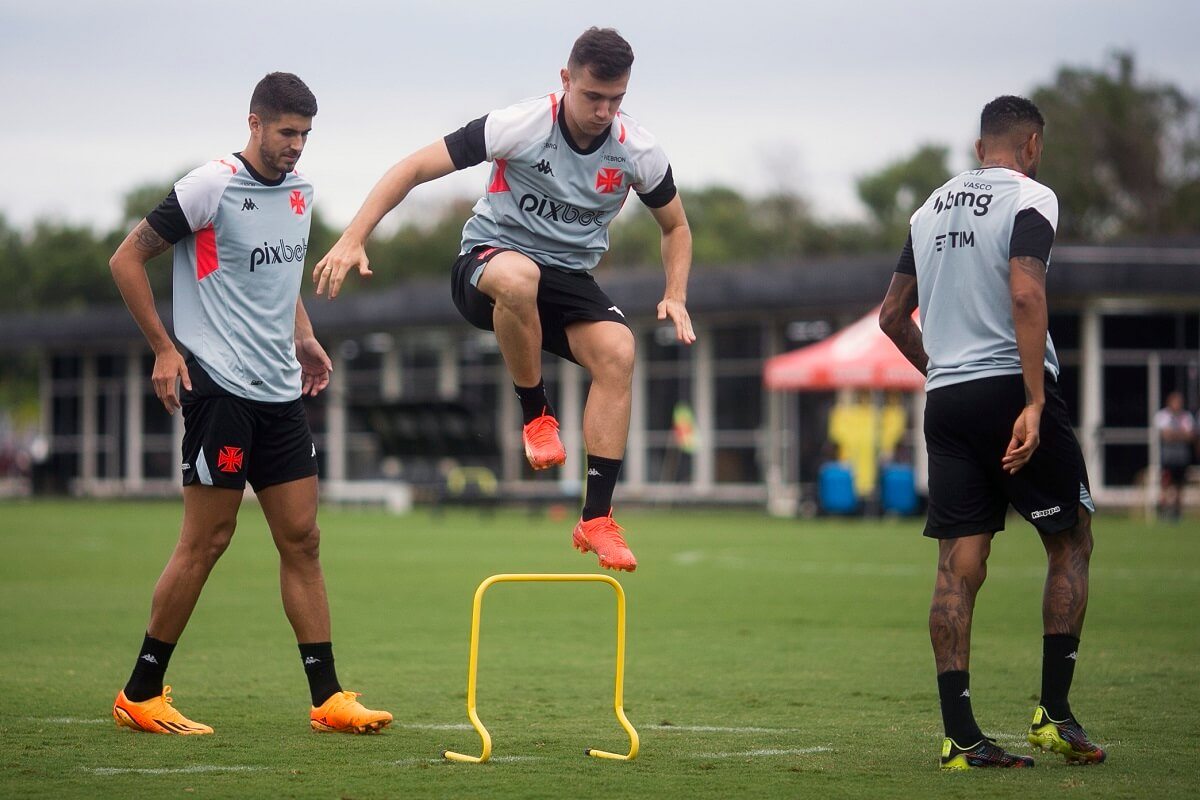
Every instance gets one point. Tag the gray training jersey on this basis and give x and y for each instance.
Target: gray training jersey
(959, 248)
(240, 242)
(548, 198)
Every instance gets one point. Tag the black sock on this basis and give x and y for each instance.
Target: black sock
(147, 678)
(534, 402)
(318, 668)
(954, 688)
(1059, 651)
(602, 474)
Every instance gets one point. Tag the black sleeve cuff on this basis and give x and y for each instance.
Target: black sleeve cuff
(1032, 235)
(907, 265)
(168, 219)
(467, 145)
(662, 194)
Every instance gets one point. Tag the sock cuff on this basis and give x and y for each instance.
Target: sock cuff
(601, 461)
(1065, 638)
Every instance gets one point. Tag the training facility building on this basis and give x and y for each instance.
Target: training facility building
(1125, 320)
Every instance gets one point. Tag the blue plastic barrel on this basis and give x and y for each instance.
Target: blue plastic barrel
(898, 490)
(835, 488)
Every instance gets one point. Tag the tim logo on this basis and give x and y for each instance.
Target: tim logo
(229, 459)
(608, 180)
(953, 239)
(543, 167)
(283, 253)
(248, 205)
(298, 204)
(1046, 512)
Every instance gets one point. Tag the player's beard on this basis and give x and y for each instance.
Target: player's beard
(280, 161)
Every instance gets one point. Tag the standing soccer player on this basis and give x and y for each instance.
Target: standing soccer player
(240, 225)
(562, 167)
(975, 264)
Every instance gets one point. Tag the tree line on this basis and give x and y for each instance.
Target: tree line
(1123, 155)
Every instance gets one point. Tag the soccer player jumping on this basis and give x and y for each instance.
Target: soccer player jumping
(240, 227)
(562, 167)
(975, 263)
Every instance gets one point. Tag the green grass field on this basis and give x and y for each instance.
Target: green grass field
(767, 658)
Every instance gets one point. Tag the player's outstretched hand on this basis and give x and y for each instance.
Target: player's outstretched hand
(677, 312)
(169, 370)
(315, 366)
(1026, 437)
(331, 270)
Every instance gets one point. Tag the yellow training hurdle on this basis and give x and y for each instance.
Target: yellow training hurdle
(472, 668)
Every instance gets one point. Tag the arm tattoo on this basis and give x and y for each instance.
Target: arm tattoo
(1035, 268)
(902, 297)
(147, 241)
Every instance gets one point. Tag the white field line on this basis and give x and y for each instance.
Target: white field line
(413, 762)
(764, 752)
(68, 720)
(719, 729)
(169, 770)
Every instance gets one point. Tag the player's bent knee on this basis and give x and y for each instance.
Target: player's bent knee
(304, 543)
(511, 279)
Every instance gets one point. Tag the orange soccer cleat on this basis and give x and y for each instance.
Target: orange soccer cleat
(155, 715)
(543, 448)
(602, 536)
(342, 713)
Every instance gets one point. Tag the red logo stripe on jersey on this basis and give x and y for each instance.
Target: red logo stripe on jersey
(621, 138)
(206, 253)
(499, 184)
(554, 108)
(232, 168)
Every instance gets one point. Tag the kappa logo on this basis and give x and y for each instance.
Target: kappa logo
(185, 466)
(311, 660)
(149, 658)
(248, 205)
(229, 459)
(314, 450)
(966, 693)
(1073, 655)
(593, 472)
(1045, 512)
(543, 167)
(608, 180)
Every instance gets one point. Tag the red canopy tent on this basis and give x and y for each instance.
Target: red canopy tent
(860, 356)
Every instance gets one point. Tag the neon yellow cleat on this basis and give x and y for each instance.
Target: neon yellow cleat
(155, 715)
(983, 754)
(342, 713)
(1067, 738)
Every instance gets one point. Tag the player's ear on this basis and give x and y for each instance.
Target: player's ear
(979, 150)
(255, 124)
(565, 74)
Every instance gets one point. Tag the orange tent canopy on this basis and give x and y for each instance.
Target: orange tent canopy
(860, 356)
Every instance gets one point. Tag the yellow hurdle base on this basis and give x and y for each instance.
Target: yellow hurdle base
(473, 664)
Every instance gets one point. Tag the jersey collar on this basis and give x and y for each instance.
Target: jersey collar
(257, 175)
(596, 144)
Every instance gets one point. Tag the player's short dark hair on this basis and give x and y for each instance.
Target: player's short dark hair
(604, 52)
(1008, 113)
(282, 93)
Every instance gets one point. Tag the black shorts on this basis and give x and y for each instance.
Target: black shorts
(564, 296)
(229, 440)
(967, 430)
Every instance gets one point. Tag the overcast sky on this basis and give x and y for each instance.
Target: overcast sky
(99, 97)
